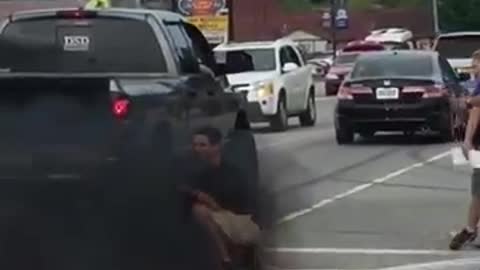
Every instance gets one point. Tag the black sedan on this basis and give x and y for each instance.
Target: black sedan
(400, 91)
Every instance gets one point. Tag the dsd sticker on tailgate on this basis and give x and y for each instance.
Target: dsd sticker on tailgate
(76, 43)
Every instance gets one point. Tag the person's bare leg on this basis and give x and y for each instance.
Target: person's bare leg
(203, 215)
(474, 213)
(469, 233)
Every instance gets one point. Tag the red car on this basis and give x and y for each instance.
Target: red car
(344, 62)
(362, 46)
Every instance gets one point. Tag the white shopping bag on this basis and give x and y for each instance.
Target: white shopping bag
(458, 158)
(474, 157)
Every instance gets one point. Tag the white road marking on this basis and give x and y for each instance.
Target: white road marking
(271, 267)
(277, 268)
(363, 251)
(464, 263)
(444, 264)
(359, 188)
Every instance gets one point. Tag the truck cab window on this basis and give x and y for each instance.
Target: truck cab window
(183, 47)
(201, 47)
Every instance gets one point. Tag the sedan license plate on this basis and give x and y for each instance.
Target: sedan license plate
(387, 93)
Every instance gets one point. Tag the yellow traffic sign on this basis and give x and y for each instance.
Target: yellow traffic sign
(98, 4)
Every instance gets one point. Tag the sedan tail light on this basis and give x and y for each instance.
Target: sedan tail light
(429, 91)
(347, 92)
(344, 92)
(435, 91)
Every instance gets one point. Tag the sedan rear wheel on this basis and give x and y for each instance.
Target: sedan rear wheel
(448, 131)
(344, 136)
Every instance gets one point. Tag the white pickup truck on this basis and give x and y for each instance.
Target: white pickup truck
(458, 48)
(275, 78)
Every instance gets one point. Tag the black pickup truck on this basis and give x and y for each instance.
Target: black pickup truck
(95, 103)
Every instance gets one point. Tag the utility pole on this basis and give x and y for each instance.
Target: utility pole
(435, 17)
(230, 7)
(333, 28)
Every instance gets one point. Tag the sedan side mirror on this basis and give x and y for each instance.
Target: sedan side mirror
(289, 67)
(463, 77)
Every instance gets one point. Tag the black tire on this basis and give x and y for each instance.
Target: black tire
(242, 122)
(330, 90)
(309, 117)
(279, 122)
(344, 136)
(241, 150)
(447, 133)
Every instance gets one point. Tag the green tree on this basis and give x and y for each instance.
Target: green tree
(455, 15)
(402, 3)
(366, 4)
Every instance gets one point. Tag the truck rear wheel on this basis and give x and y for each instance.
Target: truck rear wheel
(241, 150)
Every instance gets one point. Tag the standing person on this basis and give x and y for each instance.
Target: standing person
(222, 202)
(469, 233)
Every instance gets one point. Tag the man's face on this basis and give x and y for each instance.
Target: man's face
(203, 148)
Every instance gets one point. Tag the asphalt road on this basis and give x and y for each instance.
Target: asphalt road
(382, 202)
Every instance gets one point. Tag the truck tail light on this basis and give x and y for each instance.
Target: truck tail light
(76, 14)
(120, 107)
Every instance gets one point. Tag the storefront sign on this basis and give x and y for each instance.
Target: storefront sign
(215, 28)
(201, 7)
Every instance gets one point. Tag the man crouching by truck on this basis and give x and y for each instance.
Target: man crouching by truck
(221, 200)
(471, 141)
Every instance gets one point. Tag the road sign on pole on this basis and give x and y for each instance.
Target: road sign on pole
(341, 19)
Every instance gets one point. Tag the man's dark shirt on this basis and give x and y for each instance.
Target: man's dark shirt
(228, 185)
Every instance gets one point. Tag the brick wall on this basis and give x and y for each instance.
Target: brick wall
(264, 20)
